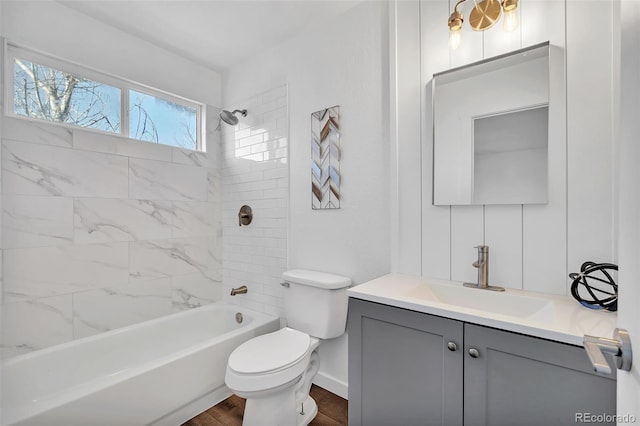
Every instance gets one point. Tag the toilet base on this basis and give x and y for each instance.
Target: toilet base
(269, 411)
(286, 405)
(307, 411)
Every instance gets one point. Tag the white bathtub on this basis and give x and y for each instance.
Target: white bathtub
(159, 372)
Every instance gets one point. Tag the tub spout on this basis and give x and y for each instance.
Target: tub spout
(240, 290)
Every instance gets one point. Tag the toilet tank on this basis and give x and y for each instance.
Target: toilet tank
(316, 302)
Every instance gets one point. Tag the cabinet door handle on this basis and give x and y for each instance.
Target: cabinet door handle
(474, 353)
(452, 346)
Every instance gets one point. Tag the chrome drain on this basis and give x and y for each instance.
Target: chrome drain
(239, 317)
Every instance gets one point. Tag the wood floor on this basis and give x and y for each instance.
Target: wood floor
(332, 411)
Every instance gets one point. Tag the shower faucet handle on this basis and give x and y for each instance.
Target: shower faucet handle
(245, 215)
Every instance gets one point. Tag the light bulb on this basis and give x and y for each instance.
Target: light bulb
(454, 39)
(510, 20)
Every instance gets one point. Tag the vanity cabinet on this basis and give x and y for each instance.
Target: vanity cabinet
(400, 370)
(410, 368)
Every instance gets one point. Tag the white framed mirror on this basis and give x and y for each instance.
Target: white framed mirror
(491, 130)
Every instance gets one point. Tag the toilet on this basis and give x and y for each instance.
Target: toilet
(274, 371)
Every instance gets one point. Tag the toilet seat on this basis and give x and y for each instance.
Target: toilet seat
(269, 352)
(269, 361)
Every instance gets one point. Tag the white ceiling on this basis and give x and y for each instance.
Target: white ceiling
(213, 33)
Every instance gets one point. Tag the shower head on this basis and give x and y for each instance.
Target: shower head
(230, 117)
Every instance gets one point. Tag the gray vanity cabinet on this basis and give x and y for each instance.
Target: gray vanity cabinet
(404, 370)
(400, 370)
(523, 380)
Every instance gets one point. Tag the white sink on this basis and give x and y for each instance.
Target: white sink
(502, 303)
(552, 317)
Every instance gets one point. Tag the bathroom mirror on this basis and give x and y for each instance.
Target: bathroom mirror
(491, 130)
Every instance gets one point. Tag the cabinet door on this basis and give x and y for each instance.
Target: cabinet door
(521, 380)
(400, 369)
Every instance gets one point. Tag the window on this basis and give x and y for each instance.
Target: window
(49, 94)
(51, 90)
(159, 120)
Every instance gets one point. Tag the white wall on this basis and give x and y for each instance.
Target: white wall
(255, 171)
(1, 261)
(61, 31)
(532, 247)
(343, 62)
(628, 93)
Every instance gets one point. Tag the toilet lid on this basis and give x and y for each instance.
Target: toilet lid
(269, 352)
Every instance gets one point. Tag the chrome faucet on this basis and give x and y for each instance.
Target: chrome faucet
(483, 271)
(482, 264)
(240, 290)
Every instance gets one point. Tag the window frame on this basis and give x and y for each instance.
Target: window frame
(13, 51)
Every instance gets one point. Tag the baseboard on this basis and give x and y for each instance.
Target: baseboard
(192, 409)
(332, 384)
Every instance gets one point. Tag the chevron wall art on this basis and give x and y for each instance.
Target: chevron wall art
(325, 159)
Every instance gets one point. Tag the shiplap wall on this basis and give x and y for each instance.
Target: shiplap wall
(533, 247)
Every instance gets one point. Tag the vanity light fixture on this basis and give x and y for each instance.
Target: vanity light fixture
(482, 17)
(510, 22)
(455, 26)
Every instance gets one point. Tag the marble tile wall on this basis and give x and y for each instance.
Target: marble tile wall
(255, 171)
(100, 231)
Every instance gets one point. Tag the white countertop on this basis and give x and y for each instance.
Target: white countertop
(559, 318)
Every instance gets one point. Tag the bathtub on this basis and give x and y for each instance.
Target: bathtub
(160, 372)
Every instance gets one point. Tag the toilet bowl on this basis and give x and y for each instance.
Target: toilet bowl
(274, 371)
